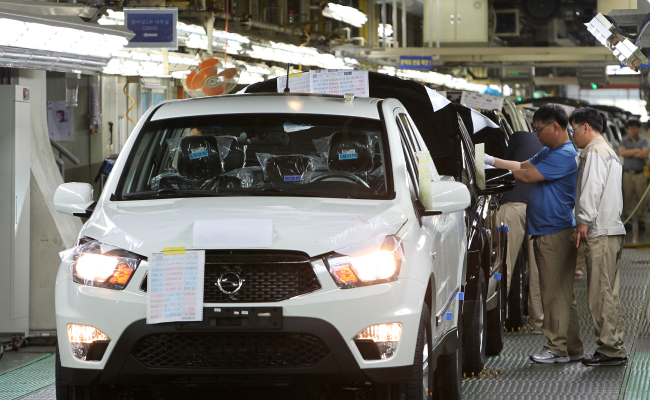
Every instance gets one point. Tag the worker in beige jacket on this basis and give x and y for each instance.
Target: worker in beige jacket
(599, 204)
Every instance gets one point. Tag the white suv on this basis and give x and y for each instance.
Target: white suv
(358, 286)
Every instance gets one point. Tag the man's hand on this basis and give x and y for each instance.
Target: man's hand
(581, 232)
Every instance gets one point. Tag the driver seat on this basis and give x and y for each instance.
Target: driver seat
(350, 152)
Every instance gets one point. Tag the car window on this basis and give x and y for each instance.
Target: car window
(409, 157)
(409, 132)
(259, 154)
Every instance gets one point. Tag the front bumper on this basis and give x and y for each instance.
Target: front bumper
(338, 365)
(333, 315)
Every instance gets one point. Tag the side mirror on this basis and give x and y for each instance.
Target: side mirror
(497, 181)
(74, 198)
(446, 197)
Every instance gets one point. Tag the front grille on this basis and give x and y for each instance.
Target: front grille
(267, 276)
(230, 349)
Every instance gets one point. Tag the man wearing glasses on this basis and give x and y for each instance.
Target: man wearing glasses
(549, 219)
(599, 204)
(634, 149)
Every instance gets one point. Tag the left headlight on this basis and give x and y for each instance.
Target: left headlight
(111, 270)
(377, 267)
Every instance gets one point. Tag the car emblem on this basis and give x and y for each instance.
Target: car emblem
(230, 283)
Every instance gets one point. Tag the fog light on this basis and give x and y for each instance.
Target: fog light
(87, 343)
(385, 336)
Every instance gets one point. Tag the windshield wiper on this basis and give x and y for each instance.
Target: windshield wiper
(170, 192)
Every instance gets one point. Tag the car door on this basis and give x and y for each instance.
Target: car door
(448, 247)
(428, 225)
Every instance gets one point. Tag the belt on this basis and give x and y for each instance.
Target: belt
(634, 172)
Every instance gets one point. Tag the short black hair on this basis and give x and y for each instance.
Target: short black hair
(595, 119)
(633, 122)
(552, 113)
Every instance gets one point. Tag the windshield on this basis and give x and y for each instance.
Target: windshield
(258, 154)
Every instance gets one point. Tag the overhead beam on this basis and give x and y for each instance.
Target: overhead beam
(504, 54)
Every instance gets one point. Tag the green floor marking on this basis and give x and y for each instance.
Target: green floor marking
(27, 379)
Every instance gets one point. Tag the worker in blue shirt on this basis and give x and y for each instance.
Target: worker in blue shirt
(550, 221)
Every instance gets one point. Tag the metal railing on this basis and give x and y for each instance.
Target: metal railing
(59, 160)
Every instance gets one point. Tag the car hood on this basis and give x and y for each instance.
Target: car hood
(311, 225)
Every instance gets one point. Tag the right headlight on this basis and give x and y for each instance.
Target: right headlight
(111, 269)
(369, 269)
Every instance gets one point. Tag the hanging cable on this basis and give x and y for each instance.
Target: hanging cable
(306, 32)
(132, 101)
(225, 48)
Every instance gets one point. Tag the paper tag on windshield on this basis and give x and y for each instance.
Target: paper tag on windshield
(424, 179)
(480, 165)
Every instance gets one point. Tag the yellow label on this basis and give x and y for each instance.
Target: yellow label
(173, 250)
(295, 74)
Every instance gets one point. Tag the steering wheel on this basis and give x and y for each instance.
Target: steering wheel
(339, 174)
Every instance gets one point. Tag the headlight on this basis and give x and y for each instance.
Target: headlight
(384, 339)
(112, 269)
(378, 267)
(87, 342)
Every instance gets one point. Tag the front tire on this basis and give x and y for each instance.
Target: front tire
(447, 377)
(421, 384)
(474, 337)
(518, 297)
(496, 325)
(71, 392)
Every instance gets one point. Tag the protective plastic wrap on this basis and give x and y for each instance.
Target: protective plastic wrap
(94, 263)
(198, 161)
(317, 226)
(285, 168)
(348, 151)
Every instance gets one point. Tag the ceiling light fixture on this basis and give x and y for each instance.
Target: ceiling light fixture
(349, 15)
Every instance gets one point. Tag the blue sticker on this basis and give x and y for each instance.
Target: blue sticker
(497, 276)
(292, 178)
(350, 156)
(198, 154)
(448, 316)
(460, 296)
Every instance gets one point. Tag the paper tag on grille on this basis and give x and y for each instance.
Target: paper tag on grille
(175, 287)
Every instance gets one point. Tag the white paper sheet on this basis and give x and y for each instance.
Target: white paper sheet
(481, 101)
(480, 165)
(298, 83)
(233, 234)
(175, 287)
(424, 168)
(328, 81)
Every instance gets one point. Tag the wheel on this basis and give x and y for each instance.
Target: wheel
(15, 345)
(422, 382)
(474, 338)
(448, 376)
(495, 325)
(421, 385)
(71, 392)
(518, 297)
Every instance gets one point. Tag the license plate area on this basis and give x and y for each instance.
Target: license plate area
(236, 318)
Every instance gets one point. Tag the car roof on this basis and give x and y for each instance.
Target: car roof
(275, 103)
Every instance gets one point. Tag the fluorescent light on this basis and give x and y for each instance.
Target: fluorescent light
(29, 35)
(380, 30)
(620, 70)
(349, 15)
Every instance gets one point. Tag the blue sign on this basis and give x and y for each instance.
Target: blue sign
(416, 62)
(154, 29)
